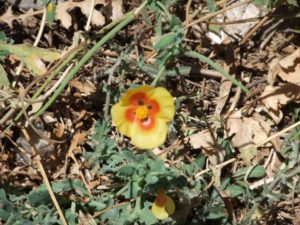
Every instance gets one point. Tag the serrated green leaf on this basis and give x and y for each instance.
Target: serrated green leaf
(157, 165)
(165, 41)
(147, 217)
(39, 196)
(235, 190)
(215, 212)
(151, 179)
(212, 7)
(71, 217)
(6, 207)
(126, 171)
(175, 23)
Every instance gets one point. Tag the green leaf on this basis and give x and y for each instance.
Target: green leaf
(215, 212)
(32, 57)
(200, 161)
(126, 171)
(212, 7)
(176, 24)
(293, 2)
(165, 41)
(6, 208)
(98, 205)
(235, 190)
(132, 191)
(147, 216)
(40, 196)
(151, 179)
(3, 37)
(257, 172)
(3, 77)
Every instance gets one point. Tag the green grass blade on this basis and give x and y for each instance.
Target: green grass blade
(217, 67)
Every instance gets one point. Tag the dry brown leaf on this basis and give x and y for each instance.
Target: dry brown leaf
(62, 12)
(274, 98)
(97, 17)
(225, 89)
(86, 88)
(7, 17)
(206, 140)
(273, 71)
(246, 132)
(117, 11)
(59, 130)
(65, 18)
(288, 68)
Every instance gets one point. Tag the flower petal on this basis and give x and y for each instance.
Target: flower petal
(170, 206)
(147, 139)
(159, 212)
(126, 98)
(118, 114)
(165, 101)
(163, 211)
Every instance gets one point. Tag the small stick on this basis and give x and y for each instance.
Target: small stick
(217, 166)
(278, 134)
(254, 29)
(210, 15)
(87, 26)
(45, 178)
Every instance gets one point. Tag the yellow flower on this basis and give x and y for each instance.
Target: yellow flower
(163, 206)
(142, 114)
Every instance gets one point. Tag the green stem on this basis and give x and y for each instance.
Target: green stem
(162, 69)
(123, 22)
(129, 17)
(158, 76)
(40, 89)
(217, 67)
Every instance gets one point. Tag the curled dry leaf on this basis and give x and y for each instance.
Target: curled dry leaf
(207, 141)
(65, 18)
(274, 98)
(246, 132)
(288, 69)
(86, 88)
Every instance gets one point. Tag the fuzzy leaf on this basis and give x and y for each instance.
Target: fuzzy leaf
(147, 217)
(165, 41)
(3, 77)
(235, 190)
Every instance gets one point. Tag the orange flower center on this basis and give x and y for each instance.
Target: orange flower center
(161, 198)
(142, 112)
